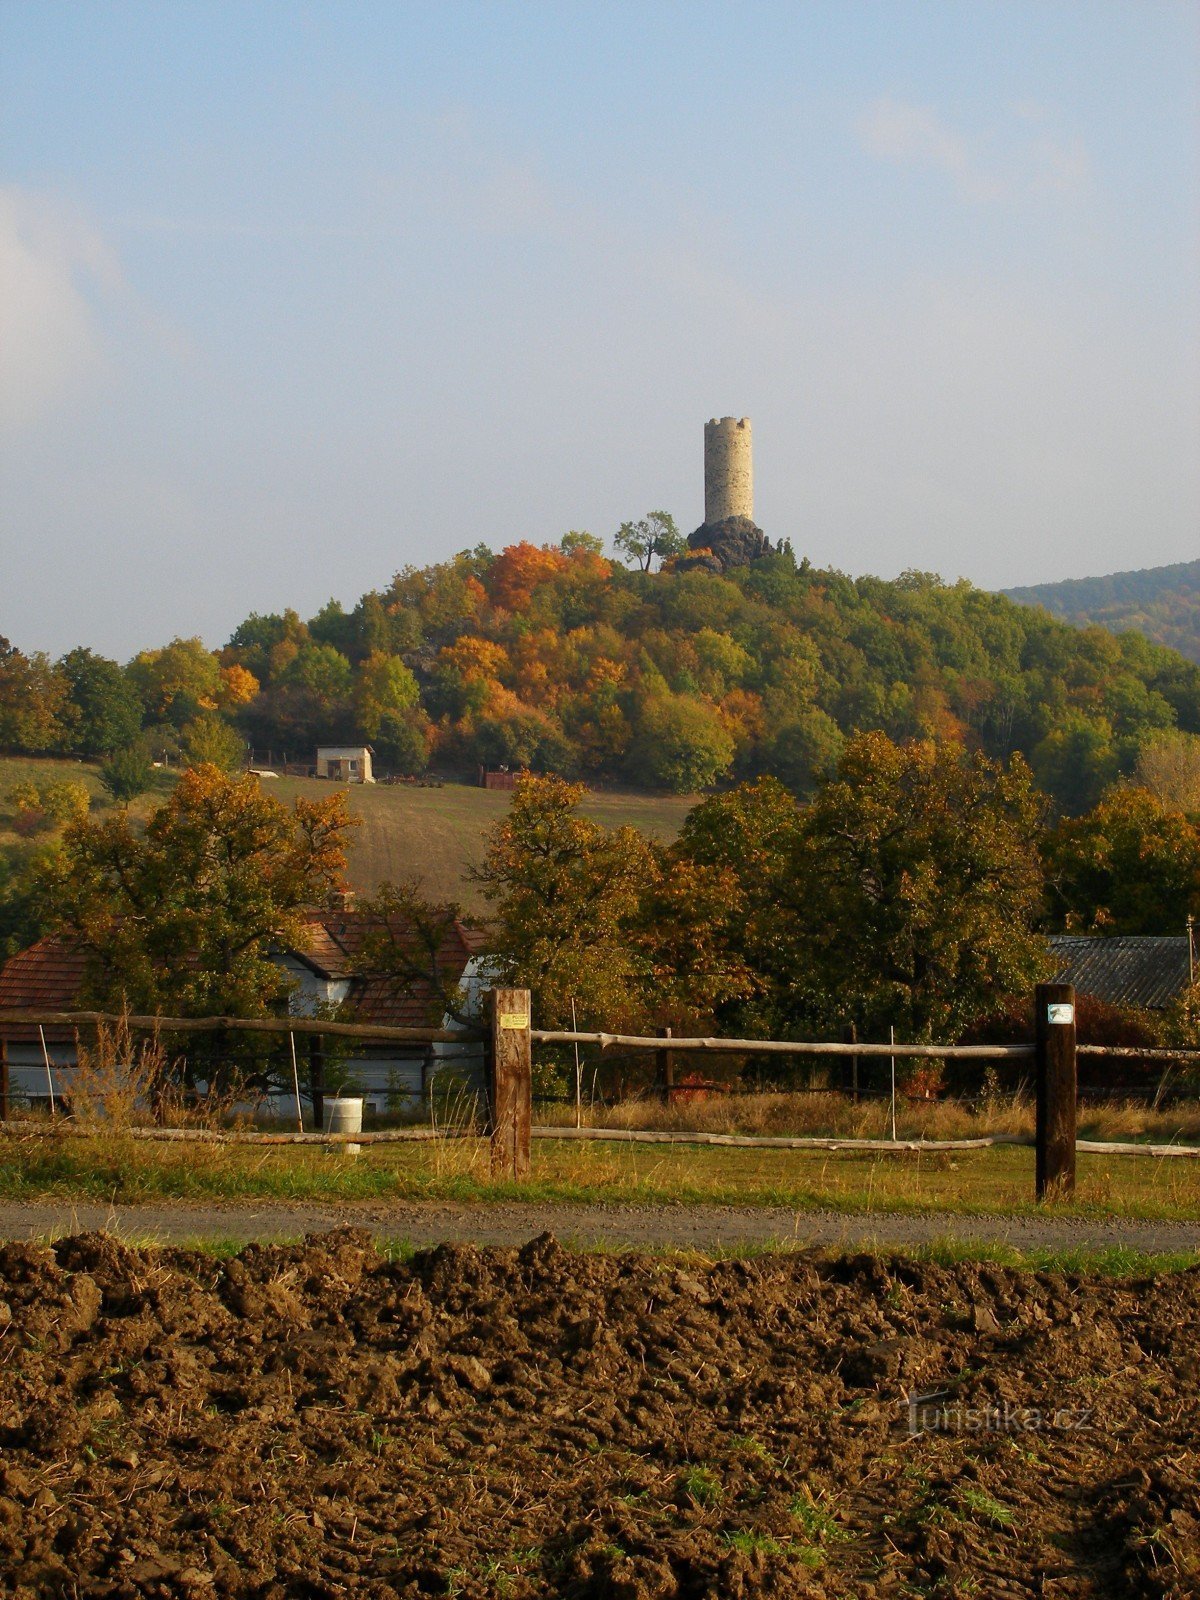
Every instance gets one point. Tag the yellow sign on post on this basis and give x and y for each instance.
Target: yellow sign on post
(514, 1019)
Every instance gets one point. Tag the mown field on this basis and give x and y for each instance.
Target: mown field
(436, 834)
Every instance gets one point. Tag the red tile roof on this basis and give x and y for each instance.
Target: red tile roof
(338, 940)
(46, 977)
(49, 975)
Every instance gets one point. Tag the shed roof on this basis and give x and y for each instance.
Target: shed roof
(1124, 970)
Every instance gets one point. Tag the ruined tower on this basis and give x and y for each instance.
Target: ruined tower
(728, 470)
(728, 536)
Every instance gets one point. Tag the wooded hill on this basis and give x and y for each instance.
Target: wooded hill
(1161, 602)
(556, 658)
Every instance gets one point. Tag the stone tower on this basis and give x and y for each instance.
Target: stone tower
(728, 536)
(728, 470)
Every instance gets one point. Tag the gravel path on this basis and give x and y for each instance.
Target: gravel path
(697, 1227)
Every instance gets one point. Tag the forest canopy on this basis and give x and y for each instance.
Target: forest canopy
(557, 659)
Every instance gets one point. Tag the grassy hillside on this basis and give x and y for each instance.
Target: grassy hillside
(41, 772)
(433, 833)
(1161, 602)
(438, 833)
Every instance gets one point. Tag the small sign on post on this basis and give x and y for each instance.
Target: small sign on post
(1054, 1047)
(510, 1082)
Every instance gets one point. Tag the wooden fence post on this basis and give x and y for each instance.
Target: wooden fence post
(1054, 1046)
(316, 1079)
(510, 1081)
(664, 1069)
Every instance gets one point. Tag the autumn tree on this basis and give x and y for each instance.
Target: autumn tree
(1168, 765)
(176, 682)
(181, 918)
(565, 894)
(35, 709)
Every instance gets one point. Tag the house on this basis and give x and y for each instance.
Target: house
(393, 1077)
(345, 763)
(1148, 973)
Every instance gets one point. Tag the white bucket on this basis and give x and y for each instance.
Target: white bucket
(342, 1116)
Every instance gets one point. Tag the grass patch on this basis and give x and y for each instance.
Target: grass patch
(997, 1181)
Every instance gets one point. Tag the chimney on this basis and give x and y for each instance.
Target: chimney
(341, 899)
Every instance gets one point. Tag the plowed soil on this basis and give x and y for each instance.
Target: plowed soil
(316, 1421)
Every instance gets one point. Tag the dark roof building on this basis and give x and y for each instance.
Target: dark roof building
(1150, 973)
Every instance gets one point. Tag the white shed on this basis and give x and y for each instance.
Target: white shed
(345, 763)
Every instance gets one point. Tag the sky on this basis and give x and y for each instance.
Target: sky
(295, 295)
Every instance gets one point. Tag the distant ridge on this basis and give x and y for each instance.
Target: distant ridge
(1161, 602)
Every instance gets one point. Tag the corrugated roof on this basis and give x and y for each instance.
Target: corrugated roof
(1124, 970)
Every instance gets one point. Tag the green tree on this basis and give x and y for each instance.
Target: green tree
(1129, 866)
(681, 744)
(750, 837)
(565, 895)
(915, 889)
(181, 918)
(321, 670)
(108, 709)
(655, 535)
(385, 687)
(210, 740)
(127, 773)
(403, 741)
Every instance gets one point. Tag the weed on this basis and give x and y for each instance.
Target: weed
(749, 1543)
(815, 1522)
(702, 1485)
(983, 1505)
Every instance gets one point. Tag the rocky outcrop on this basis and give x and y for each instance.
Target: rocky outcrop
(718, 546)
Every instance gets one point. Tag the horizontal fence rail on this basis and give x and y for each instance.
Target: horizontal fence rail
(633, 1041)
(313, 1025)
(73, 1129)
(1141, 1053)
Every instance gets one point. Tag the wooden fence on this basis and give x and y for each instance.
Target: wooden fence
(508, 1037)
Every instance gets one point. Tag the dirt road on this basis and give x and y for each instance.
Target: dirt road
(692, 1227)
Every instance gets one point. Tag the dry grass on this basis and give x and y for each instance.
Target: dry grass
(123, 1080)
(837, 1116)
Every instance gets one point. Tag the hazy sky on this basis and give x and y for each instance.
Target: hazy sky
(296, 294)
